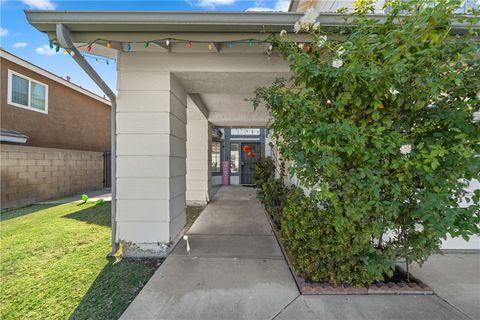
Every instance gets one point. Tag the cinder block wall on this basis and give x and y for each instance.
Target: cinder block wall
(32, 174)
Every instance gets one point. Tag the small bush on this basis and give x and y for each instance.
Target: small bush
(264, 170)
(273, 195)
(271, 191)
(326, 247)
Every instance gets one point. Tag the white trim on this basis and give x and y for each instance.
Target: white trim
(10, 57)
(245, 132)
(244, 139)
(13, 139)
(30, 80)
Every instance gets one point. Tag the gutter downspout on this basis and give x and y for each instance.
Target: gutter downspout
(64, 40)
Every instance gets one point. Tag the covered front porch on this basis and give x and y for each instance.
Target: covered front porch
(179, 75)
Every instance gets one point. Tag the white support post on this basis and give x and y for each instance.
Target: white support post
(151, 161)
(199, 137)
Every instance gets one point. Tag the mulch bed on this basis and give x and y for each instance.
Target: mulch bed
(397, 284)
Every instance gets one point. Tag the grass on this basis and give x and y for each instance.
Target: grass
(192, 215)
(54, 265)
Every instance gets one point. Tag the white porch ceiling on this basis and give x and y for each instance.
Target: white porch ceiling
(225, 93)
(227, 82)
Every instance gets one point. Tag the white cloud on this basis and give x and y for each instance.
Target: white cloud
(280, 5)
(20, 45)
(3, 32)
(46, 51)
(259, 9)
(211, 4)
(40, 4)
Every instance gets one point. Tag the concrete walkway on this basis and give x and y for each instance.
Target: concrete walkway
(235, 270)
(93, 196)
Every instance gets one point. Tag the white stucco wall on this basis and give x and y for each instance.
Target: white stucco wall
(199, 137)
(460, 243)
(151, 159)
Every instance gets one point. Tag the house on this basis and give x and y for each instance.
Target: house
(53, 134)
(179, 75)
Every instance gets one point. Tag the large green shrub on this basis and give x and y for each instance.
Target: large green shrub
(378, 125)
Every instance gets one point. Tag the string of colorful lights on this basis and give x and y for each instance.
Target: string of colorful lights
(165, 42)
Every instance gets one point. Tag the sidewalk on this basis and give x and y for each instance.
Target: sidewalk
(235, 270)
(93, 196)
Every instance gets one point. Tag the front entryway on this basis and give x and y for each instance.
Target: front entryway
(249, 161)
(231, 163)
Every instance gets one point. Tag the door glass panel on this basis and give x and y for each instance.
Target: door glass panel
(216, 156)
(234, 158)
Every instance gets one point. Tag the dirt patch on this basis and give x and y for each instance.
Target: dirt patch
(397, 284)
(153, 263)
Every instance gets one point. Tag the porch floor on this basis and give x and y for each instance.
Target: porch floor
(235, 270)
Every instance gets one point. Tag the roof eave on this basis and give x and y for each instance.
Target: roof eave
(82, 21)
(195, 22)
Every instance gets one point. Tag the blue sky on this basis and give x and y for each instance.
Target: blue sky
(21, 39)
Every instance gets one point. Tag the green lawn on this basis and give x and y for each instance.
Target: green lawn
(54, 266)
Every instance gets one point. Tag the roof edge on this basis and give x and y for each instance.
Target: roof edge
(182, 21)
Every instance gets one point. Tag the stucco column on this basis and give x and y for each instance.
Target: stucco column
(199, 137)
(151, 161)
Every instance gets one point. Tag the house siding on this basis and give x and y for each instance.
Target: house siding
(74, 121)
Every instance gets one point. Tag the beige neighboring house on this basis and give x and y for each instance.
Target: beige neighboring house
(53, 135)
(179, 74)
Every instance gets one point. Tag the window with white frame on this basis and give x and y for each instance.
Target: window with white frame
(27, 93)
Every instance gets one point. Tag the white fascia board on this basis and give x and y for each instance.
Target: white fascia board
(171, 21)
